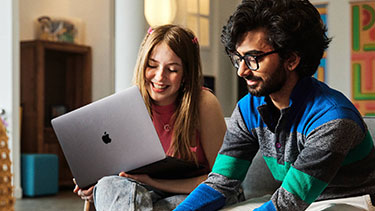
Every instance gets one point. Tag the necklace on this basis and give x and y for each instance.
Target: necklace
(162, 115)
(165, 124)
(167, 128)
(163, 120)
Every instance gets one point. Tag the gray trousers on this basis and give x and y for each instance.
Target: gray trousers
(119, 193)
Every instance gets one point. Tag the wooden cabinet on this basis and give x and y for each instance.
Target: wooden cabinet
(55, 79)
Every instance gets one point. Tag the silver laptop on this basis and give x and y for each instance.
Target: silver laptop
(111, 135)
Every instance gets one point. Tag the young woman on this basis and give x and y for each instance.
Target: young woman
(187, 118)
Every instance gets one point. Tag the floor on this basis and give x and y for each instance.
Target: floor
(65, 200)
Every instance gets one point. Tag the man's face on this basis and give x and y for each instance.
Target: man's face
(271, 75)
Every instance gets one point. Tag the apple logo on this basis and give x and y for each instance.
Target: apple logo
(106, 139)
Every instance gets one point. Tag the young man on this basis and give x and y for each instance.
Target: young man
(312, 138)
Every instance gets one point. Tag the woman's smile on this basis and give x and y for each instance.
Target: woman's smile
(163, 75)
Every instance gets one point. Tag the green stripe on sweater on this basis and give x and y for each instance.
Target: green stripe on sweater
(231, 167)
(360, 151)
(306, 187)
(278, 170)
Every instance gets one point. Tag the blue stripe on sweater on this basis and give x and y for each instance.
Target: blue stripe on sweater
(203, 198)
(248, 107)
(268, 206)
(323, 105)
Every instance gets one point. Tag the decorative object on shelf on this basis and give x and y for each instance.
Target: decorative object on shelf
(58, 110)
(6, 188)
(160, 12)
(59, 29)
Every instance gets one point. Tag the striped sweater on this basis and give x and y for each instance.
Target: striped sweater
(318, 147)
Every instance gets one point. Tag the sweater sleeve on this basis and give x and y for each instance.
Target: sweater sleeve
(202, 198)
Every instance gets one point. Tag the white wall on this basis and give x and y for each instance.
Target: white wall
(338, 75)
(219, 63)
(97, 17)
(214, 60)
(130, 28)
(9, 85)
(6, 49)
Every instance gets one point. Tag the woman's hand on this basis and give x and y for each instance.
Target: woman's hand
(84, 194)
(143, 178)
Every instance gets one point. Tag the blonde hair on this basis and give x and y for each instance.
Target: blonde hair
(184, 44)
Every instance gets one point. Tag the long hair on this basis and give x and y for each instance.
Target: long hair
(292, 26)
(186, 118)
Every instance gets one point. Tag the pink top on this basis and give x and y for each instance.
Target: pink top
(161, 117)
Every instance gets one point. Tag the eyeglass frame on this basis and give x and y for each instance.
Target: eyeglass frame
(256, 57)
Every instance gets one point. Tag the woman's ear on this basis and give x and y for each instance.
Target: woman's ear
(292, 62)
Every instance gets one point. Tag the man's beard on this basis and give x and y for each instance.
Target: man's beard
(274, 83)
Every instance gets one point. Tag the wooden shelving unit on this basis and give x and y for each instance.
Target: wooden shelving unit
(55, 78)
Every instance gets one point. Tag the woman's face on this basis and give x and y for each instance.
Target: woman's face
(163, 75)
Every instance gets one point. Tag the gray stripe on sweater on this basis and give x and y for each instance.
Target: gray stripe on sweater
(287, 201)
(231, 188)
(238, 142)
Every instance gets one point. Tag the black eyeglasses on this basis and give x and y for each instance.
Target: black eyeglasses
(251, 61)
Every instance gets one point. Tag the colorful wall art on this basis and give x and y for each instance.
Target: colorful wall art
(321, 72)
(363, 56)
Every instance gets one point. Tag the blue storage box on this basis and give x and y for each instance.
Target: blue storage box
(39, 174)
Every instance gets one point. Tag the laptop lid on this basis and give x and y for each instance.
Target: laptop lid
(108, 136)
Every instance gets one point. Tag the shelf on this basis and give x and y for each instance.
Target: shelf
(55, 79)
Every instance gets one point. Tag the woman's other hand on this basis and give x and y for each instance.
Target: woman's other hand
(143, 178)
(84, 194)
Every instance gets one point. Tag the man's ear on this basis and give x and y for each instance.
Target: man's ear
(292, 62)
